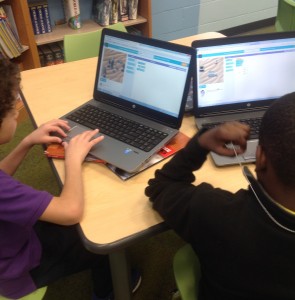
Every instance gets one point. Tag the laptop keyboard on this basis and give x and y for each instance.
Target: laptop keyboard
(253, 123)
(127, 131)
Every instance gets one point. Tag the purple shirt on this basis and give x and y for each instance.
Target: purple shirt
(20, 250)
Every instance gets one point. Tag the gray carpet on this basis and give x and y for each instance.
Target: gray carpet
(153, 257)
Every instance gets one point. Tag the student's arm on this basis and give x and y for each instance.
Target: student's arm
(67, 209)
(172, 192)
(39, 136)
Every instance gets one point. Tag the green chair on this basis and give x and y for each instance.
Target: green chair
(187, 272)
(285, 20)
(85, 45)
(36, 295)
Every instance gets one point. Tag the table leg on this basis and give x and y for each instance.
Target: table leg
(120, 275)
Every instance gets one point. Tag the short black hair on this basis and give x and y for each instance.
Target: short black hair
(277, 137)
(9, 85)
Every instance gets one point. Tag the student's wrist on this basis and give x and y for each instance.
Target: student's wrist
(202, 138)
(27, 142)
(73, 165)
(194, 147)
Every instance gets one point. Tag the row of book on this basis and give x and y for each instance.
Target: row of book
(10, 45)
(106, 12)
(51, 54)
(40, 17)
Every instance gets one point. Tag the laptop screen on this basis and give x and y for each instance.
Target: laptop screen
(245, 70)
(143, 74)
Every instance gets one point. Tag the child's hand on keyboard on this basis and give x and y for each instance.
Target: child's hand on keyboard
(80, 145)
(218, 138)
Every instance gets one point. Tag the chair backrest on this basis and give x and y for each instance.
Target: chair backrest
(285, 19)
(187, 272)
(85, 45)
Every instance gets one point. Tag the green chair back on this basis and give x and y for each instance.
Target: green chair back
(36, 295)
(187, 272)
(285, 19)
(85, 45)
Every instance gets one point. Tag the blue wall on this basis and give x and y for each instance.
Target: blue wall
(172, 19)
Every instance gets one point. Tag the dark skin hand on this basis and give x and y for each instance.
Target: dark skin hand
(217, 138)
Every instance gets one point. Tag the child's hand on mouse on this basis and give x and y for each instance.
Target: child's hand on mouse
(223, 138)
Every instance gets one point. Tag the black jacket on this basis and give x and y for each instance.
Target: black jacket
(244, 254)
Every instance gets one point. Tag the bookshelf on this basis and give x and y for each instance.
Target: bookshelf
(30, 58)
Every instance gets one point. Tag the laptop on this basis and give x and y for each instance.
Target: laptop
(237, 78)
(141, 86)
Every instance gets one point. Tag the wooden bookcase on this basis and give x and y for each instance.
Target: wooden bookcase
(30, 58)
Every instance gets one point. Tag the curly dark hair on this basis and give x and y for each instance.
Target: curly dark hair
(9, 85)
(277, 137)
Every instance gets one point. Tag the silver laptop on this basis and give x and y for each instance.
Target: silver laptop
(237, 78)
(139, 97)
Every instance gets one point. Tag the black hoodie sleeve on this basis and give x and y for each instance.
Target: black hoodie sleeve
(172, 191)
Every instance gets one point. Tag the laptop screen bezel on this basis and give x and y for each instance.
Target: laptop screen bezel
(236, 107)
(165, 119)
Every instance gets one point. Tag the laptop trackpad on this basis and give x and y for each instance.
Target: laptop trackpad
(248, 157)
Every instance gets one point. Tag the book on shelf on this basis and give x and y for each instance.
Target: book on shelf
(41, 57)
(72, 13)
(177, 143)
(134, 30)
(132, 9)
(102, 11)
(57, 53)
(34, 18)
(61, 46)
(40, 17)
(46, 17)
(4, 35)
(13, 37)
(123, 10)
(114, 13)
(4, 49)
(10, 16)
(106, 12)
(50, 54)
(10, 44)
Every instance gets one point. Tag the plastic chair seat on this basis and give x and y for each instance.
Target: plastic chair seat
(187, 272)
(36, 295)
(86, 44)
(285, 19)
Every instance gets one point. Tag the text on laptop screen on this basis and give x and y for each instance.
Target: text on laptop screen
(245, 72)
(145, 75)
